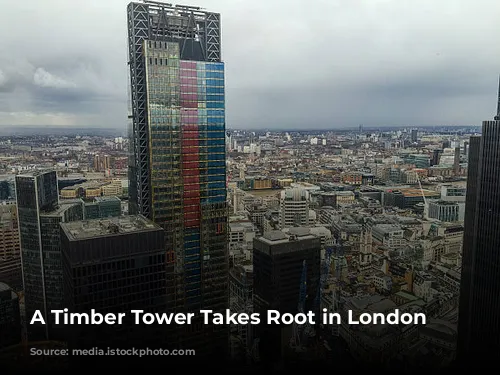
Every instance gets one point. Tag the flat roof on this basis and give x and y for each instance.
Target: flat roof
(63, 206)
(85, 229)
(444, 203)
(411, 192)
(106, 199)
(294, 234)
(35, 173)
(235, 225)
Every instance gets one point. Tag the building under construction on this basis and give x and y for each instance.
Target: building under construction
(177, 167)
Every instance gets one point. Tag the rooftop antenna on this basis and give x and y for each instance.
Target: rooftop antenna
(497, 117)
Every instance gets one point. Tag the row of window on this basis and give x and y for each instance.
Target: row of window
(196, 113)
(209, 71)
(163, 129)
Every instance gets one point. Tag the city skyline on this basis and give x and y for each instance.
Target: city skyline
(320, 167)
(81, 80)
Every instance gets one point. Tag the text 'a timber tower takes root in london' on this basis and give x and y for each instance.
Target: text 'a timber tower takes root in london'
(177, 166)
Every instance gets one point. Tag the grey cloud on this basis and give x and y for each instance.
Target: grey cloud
(43, 78)
(327, 63)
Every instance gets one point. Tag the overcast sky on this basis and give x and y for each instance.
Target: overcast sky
(289, 64)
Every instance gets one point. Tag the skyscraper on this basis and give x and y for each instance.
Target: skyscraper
(479, 316)
(10, 323)
(456, 161)
(40, 215)
(278, 266)
(10, 253)
(97, 254)
(177, 161)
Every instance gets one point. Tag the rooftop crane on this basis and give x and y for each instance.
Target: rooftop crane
(421, 189)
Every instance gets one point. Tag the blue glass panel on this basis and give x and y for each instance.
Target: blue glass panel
(216, 163)
(190, 266)
(218, 178)
(216, 192)
(192, 245)
(191, 237)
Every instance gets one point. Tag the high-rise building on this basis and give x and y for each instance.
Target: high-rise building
(456, 161)
(414, 135)
(294, 208)
(103, 207)
(479, 315)
(177, 167)
(436, 156)
(113, 266)
(10, 318)
(241, 302)
(10, 252)
(39, 215)
(278, 267)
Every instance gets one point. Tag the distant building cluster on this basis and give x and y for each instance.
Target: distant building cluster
(93, 189)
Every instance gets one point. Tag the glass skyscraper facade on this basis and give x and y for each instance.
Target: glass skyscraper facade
(177, 164)
(35, 193)
(40, 216)
(479, 316)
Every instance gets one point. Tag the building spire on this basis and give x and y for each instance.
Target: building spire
(497, 117)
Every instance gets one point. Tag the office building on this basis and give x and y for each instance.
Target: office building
(443, 211)
(414, 135)
(40, 215)
(294, 208)
(436, 156)
(103, 207)
(241, 302)
(113, 266)
(10, 318)
(10, 252)
(479, 316)
(177, 172)
(456, 161)
(279, 262)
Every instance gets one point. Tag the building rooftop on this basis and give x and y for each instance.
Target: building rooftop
(106, 199)
(34, 173)
(444, 203)
(294, 234)
(410, 192)
(63, 206)
(406, 295)
(275, 235)
(299, 231)
(387, 228)
(80, 230)
(240, 225)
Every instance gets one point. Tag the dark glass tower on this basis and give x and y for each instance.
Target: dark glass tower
(40, 216)
(177, 161)
(286, 274)
(114, 265)
(479, 319)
